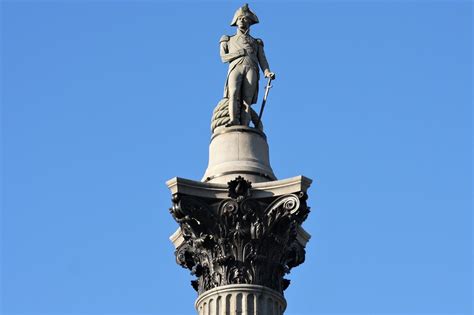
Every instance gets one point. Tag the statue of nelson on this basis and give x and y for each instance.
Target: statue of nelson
(244, 54)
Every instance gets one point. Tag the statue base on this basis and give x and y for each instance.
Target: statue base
(238, 150)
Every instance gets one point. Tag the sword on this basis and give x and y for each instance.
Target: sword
(267, 89)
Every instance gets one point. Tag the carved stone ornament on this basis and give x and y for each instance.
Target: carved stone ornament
(240, 239)
(239, 188)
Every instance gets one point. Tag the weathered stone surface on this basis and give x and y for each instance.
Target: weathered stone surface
(242, 233)
(221, 116)
(241, 299)
(238, 150)
(178, 185)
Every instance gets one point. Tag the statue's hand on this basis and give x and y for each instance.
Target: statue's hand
(269, 74)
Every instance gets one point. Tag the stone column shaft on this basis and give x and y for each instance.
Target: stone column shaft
(240, 299)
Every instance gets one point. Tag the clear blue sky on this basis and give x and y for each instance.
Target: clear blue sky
(103, 101)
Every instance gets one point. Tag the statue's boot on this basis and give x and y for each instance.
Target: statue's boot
(234, 112)
(245, 116)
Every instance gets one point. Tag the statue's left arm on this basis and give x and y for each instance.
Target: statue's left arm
(262, 59)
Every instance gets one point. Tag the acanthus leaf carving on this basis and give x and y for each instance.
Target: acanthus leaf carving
(240, 239)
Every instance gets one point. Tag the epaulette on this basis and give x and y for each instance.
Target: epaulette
(259, 41)
(224, 38)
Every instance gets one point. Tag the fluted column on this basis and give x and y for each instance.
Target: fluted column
(240, 299)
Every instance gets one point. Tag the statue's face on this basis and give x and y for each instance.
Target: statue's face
(243, 23)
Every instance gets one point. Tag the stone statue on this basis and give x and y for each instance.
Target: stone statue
(244, 54)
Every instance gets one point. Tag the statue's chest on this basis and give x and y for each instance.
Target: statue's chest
(244, 42)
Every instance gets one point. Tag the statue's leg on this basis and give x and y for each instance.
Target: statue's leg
(249, 86)
(234, 86)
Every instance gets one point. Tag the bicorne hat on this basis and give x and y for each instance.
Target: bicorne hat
(244, 10)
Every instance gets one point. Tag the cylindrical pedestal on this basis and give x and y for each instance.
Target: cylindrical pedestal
(241, 299)
(238, 150)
